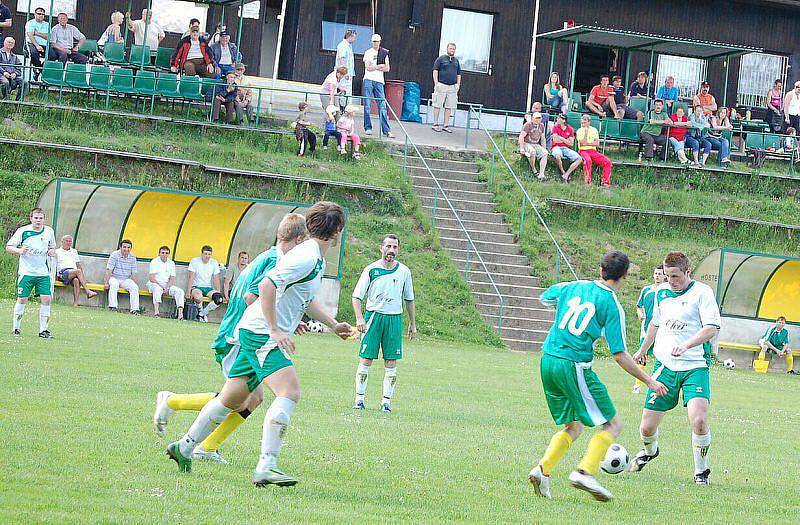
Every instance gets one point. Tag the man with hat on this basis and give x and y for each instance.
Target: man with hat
(225, 54)
(533, 143)
(562, 140)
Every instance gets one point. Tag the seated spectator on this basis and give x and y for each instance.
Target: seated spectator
(161, 280)
(601, 99)
(347, 131)
(555, 94)
(121, 272)
(789, 143)
(65, 40)
(563, 140)
(624, 111)
(192, 57)
(791, 107)
(225, 95)
(218, 30)
(194, 23)
(225, 54)
(69, 269)
(306, 139)
(113, 33)
(37, 31)
(588, 140)
(676, 133)
(776, 340)
(668, 93)
(774, 115)
(204, 282)
(705, 99)
(652, 132)
(533, 144)
(330, 126)
(155, 34)
(244, 99)
(720, 123)
(232, 273)
(328, 93)
(696, 139)
(10, 70)
(638, 88)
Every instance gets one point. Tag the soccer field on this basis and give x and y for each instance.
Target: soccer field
(468, 424)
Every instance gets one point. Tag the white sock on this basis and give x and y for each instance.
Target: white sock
(362, 376)
(210, 307)
(275, 423)
(700, 445)
(44, 317)
(19, 309)
(650, 443)
(207, 420)
(389, 379)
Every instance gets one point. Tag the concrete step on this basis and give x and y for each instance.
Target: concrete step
(525, 346)
(519, 322)
(493, 227)
(475, 235)
(506, 288)
(448, 184)
(478, 276)
(437, 154)
(495, 262)
(465, 215)
(481, 246)
(440, 173)
(510, 301)
(459, 204)
(513, 311)
(430, 189)
(522, 334)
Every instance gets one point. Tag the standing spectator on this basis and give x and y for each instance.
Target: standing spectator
(677, 133)
(225, 54)
(346, 127)
(446, 83)
(204, 282)
(555, 94)
(194, 23)
(113, 33)
(791, 107)
(533, 144)
(638, 88)
(10, 70)
(668, 93)
(376, 63)
(63, 46)
(69, 269)
(588, 140)
(154, 32)
(37, 31)
(330, 127)
(233, 272)
(653, 131)
(601, 99)
(624, 111)
(306, 139)
(719, 124)
(121, 272)
(775, 107)
(244, 99)
(697, 137)
(5, 19)
(192, 57)
(329, 92)
(776, 340)
(705, 99)
(161, 281)
(563, 140)
(225, 95)
(346, 58)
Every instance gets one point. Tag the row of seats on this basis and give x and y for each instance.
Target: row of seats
(115, 54)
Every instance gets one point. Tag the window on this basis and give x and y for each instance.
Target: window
(173, 15)
(757, 75)
(472, 34)
(340, 15)
(688, 73)
(59, 6)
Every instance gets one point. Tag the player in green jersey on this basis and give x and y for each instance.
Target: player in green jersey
(644, 311)
(585, 311)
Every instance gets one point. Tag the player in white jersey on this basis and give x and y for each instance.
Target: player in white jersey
(285, 295)
(386, 284)
(33, 243)
(685, 320)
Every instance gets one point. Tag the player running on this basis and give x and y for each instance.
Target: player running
(286, 292)
(585, 311)
(33, 243)
(291, 232)
(644, 311)
(685, 320)
(386, 283)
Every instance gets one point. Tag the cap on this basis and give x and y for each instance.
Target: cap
(224, 33)
(376, 37)
(536, 115)
(704, 84)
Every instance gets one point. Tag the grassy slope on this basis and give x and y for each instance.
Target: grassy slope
(463, 435)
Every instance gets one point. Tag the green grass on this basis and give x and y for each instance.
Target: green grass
(468, 424)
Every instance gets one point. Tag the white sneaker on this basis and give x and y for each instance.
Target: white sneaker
(208, 455)
(589, 484)
(368, 132)
(202, 318)
(162, 413)
(636, 390)
(390, 135)
(540, 482)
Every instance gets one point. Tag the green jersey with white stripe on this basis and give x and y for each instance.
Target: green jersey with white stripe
(646, 301)
(34, 262)
(585, 312)
(385, 289)
(778, 338)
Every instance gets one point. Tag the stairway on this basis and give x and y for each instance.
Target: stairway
(525, 320)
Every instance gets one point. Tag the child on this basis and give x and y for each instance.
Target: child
(346, 127)
(790, 143)
(330, 126)
(305, 137)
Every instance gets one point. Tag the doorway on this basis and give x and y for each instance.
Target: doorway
(593, 62)
(269, 40)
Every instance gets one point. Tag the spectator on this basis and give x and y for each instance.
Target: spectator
(329, 92)
(192, 57)
(218, 30)
(161, 280)
(5, 19)
(225, 54)
(776, 340)
(601, 99)
(791, 107)
(204, 282)
(242, 260)
(62, 42)
(719, 124)
(10, 70)
(563, 140)
(244, 99)
(696, 139)
(677, 133)
(330, 126)
(306, 139)
(37, 31)
(346, 58)
(652, 132)
(446, 83)
(624, 111)
(121, 272)
(69, 269)
(555, 94)
(638, 88)
(376, 63)
(705, 99)
(775, 107)
(668, 93)
(154, 32)
(588, 140)
(194, 23)
(225, 95)
(346, 128)
(113, 33)
(533, 144)
(789, 143)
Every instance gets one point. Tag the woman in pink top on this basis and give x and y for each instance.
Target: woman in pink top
(330, 87)
(775, 107)
(346, 128)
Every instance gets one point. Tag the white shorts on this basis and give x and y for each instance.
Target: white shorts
(535, 150)
(445, 96)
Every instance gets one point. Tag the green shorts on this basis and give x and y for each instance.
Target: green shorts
(28, 283)
(258, 358)
(574, 392)
(206, 290)
(385, 333)
(691, 383)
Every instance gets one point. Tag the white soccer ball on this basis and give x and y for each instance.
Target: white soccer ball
(616, 459)
(315, 327)
(730, 364)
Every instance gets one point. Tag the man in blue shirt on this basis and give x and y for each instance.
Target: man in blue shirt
(446, 83)
(37, 32)
(668, 93)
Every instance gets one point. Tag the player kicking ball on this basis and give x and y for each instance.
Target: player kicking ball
(685, 320)
(286, 293)
(585, 311)
(644, 311)
(386, 284)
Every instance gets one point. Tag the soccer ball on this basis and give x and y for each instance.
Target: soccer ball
(730, 364)
(616, 459)
(315, 327)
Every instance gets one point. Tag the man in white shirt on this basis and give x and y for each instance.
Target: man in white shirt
(346, 58)
(376, 63)
(161, 280)
(69, 269)
(154, 32)
(204, 282)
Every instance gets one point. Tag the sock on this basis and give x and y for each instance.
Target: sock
(210, 307)
(789, 361)
(639, 383)
(650, 443)
(362, 376)
(44, 317)
(389, 380)
(275, 423)
(762, 355)
(212, 415)
(19, 309)
(595, 452)
(559, 444)
(189, 401)
(231, 423)
(700, 446)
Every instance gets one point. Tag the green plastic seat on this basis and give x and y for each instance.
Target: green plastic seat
(145, 83)
(629, 130)
(612, 128)
(122, 81)
(189, 88)
(100, 78)
(772, 140)
(114, 53)
(53, 73)
(167, 85)
(638, 104)
(576, 101)
(162, 58)
(139, 54)
(75, 76)
(755, 140)
(88, 46)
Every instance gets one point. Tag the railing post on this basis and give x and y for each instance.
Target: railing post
(500, 318)
(435, 200)
(522, 220)
(505, 130)
(405, 156)
(466, 265)
(555, 274)
(491, 171)
(469, 117)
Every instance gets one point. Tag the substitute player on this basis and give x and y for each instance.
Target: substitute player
(644, 311)
(386, 284)
(685, 320)
(204, 282)
(585, 311)
(776, 339)
(33, 243)
(286, 293)
(291, 232)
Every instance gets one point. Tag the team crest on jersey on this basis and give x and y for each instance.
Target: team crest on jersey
(699, 390)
